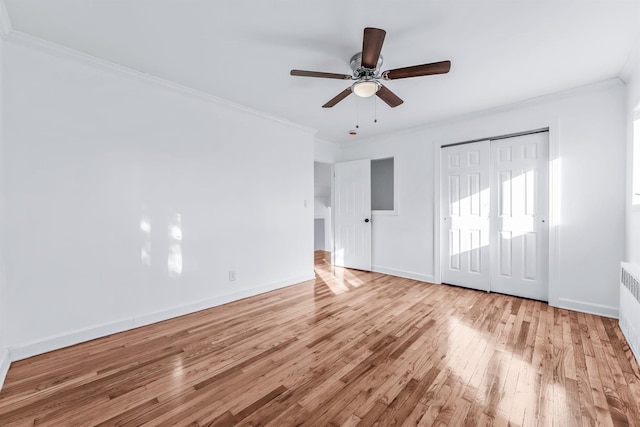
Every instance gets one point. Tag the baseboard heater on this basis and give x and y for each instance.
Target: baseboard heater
(629, 318)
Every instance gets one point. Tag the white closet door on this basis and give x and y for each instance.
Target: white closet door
(520, 202)
(352, 210)
(465, 204)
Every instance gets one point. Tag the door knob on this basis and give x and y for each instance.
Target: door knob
(366, 220)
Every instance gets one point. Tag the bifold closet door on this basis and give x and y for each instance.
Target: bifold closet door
(465, 209)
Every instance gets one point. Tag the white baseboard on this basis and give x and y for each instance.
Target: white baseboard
(219, 300)
(34, 348)
(55, 342)
(402, 273)
(5, 361)
(586, 307)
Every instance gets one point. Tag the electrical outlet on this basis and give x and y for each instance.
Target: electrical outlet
(232, 275)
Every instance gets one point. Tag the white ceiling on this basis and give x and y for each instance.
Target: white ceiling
(242, 50)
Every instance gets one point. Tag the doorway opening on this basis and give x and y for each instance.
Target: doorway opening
(323, 237)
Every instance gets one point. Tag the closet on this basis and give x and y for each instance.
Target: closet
(494, 215)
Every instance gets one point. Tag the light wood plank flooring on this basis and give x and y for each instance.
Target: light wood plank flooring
(350, 348)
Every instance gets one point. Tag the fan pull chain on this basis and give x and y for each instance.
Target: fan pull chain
(375, 110)
(357, 120)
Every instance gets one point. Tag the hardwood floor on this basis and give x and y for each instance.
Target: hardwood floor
(350, 348)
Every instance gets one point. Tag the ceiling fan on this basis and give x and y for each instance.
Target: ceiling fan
(366, 72)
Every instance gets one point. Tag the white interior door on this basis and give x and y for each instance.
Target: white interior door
(520, 257)
(465, 209)
(352, 214)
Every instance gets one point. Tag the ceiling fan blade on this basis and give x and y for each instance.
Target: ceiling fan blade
(389, 97)
(371, 46)
(442, 67)
(303, 73)
(342, 95)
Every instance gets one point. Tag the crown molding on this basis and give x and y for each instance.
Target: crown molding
(5, 23)
(55, 49)
(597, 86)
(531, 102)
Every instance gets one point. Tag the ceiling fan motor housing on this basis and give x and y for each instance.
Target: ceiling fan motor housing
(360, 72)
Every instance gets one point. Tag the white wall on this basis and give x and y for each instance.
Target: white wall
(96, 156)
(4, 353)
(633, 213)
(588, 136)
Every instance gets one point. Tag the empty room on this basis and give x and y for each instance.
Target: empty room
(333, 213)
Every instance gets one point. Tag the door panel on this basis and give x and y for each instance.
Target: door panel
(520, 173)
(465, 215)
(352, 199)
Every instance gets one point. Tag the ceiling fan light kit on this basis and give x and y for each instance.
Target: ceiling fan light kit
(365, 88)
(365, 68)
